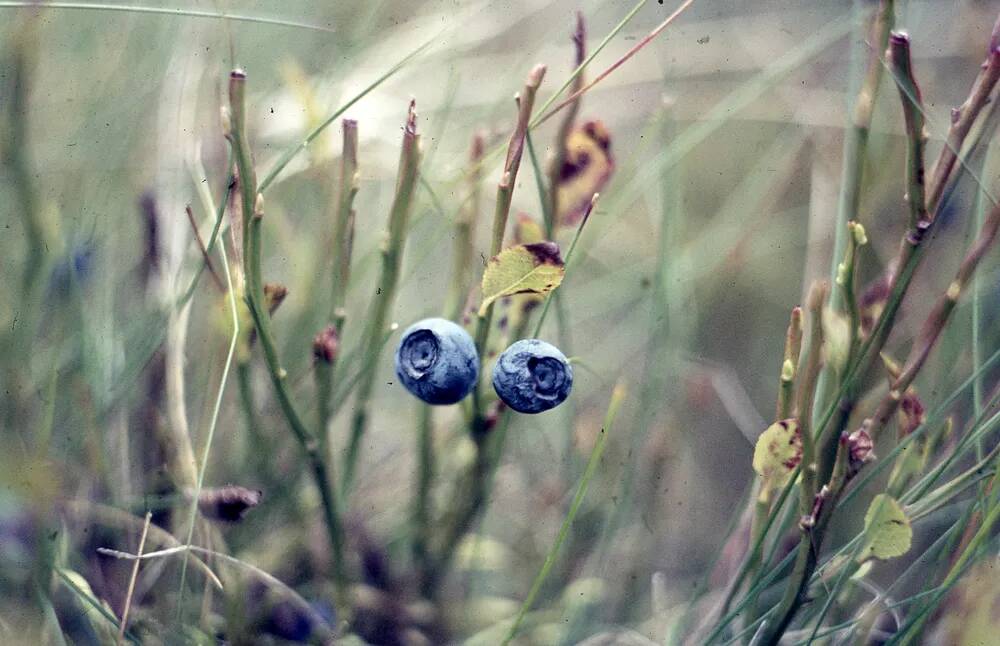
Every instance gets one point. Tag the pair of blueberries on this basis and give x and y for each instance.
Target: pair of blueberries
(437, 361)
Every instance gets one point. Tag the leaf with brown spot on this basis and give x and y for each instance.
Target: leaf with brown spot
(777, 454)
(586, 169)
(535, 268)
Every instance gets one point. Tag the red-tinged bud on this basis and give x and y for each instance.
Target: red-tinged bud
(860, 449)
(326, 344)
(910, 414)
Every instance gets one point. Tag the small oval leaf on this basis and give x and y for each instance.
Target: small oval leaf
(887, 529)
(523, 269)
(776, 455)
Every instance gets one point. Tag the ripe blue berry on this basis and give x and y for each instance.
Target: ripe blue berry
(532, 376)
(437, 361)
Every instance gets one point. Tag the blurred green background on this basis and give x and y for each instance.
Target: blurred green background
(727, 134)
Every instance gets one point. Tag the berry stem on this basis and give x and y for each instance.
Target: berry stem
(501, 212)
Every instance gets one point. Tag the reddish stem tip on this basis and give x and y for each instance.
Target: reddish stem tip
(899, 38)
(995, 39)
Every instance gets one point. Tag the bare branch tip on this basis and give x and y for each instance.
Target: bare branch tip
(817, 294)
(995, 39)
(580, 34)
(411, 118)
(536, 76)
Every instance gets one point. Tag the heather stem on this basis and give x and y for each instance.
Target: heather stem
(343, 225)
(465, 234)
(806, 393)
(793, 348)
(392, 254)
(856, 141)
(911, 247)
(252, 214)
(505, 192)
(900, 64)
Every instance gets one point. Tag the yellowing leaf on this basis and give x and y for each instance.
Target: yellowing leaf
(525, 269)
(887, 529)
(776, 455)
(585, 170)
(528, 230)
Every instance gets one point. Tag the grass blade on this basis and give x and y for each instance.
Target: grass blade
(617, 396)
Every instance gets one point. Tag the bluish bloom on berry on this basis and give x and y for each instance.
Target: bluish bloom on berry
(532, 376)
(437, 361)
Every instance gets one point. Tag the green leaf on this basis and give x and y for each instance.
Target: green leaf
(887, 529)
(524, 269)
(776, 455)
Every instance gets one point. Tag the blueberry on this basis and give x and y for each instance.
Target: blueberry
(532, 376)
(437, 361)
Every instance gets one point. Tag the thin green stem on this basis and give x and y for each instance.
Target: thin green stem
(807, 391)
(569, 256)
(856, 140)
(252, 216)
(392, 256)
(465, 234)
(971, 550)
(595, 458)
(343, 224)
(422, 492)
(217, 406)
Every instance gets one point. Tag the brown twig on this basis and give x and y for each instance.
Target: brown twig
(135, 574)
(555, 167)
(933, 326)
(913, 115)
(962, 119)
(201, 247)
